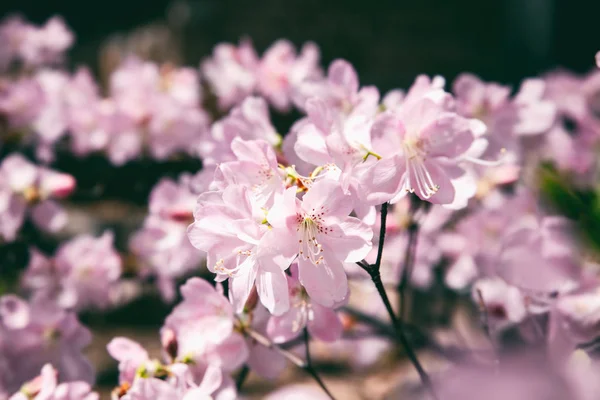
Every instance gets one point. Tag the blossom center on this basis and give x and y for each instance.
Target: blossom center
(419, 178)
(309, 246)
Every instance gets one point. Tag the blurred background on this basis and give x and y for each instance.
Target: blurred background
(389, 42)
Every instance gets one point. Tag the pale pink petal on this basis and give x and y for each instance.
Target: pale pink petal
(19, 172)
(241, 286)
(288, 326)
(325, 283)
(14, 312)
(448, 136)
(355, 241)
(49, 216)
(283, 213)
(213, 377)
(124, 349)
(310, 145)
(273, 290)
(381, 180)
(328, 197)
(324, 324)
(341, 73)
(265, 362)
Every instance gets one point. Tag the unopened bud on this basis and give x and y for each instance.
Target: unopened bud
(252, 301)
(169, 343)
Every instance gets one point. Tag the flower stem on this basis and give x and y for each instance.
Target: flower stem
(242, 377)
(374, 272)
(293, 358)
(409, 263)
(309, 367)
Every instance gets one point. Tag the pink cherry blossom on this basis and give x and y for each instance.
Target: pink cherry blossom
(34, 334)
(544, 245)
(81, 275)
(21, 101)
(46, 387)
(280, 71)
(320, 233)
(340, 91)
(157, 107)
(419, 149)
(46, 44)
(162, 247)
(297, 392)
(229, 226)
(231, 73)
(321, 322)
(51, 124)
(503, 305)
(26, 187)
(130, 355)
(573, 322)
(203, 324)
(90, 119)
(249, 121)
(256, 167)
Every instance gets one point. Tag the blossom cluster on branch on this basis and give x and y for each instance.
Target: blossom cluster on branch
(305, 234)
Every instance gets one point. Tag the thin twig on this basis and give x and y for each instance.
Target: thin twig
(384, 210)
(309, 366)
(242, 377)
(375, 273)
(293, 358)
(409, 256)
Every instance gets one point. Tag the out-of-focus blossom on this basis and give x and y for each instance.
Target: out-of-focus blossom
(231, 72)
(33, 45)
(162, 246)
(574, 322)
(520, 378)
(474, 244)
(321, 322)
(281, 71)
(572, 142)
(297, 392)
(545, 247)
(90, 119)
(27, 188)
(34, 334)
(21, 101)
(249, 121)
(203, 326)
(340, 91)
(507, 119)
(236, 72)
(502, 304)
(142, 378)
(263, 360)
(46, 387)
(156, 107)
(81, 275)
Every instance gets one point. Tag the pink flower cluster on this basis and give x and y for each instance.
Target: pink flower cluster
(307, 232)
(161, 247)
(27, 189)
(35, 334)
(31, 45)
